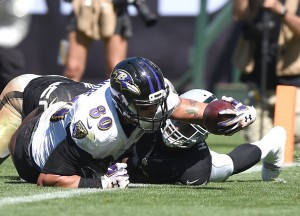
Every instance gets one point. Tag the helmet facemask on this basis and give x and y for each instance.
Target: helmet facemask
(182, 135)
(139, 111)
(178, 134)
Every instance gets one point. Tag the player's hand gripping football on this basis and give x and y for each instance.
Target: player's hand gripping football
(115, 177)
(242, 116)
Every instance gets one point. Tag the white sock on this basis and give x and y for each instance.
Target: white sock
(265, 149)
(275, 137)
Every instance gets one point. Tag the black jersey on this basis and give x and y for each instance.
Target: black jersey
(45, 90)
(151, 161)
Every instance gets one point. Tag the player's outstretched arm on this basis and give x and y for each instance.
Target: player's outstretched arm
(58, 180)
(190, 111)
(238, 118)
(115, 177)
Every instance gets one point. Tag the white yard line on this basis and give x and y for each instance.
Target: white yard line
(76, 192)
(46, 196)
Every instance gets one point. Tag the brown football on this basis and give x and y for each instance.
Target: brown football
(211, 116)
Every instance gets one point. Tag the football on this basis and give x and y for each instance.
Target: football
(211, 116)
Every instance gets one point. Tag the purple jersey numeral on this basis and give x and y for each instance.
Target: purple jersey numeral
(105, 122)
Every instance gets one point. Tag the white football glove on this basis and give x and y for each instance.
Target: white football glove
(115, 177)
(242, 116)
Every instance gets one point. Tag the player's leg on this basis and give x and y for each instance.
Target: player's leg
(240, 159)
(77, 55)
(116, 50)
(19, 148)
(116, 46)
(11, 110)
(269, 149)
(222, 167)
(272, 147)
(190, 166)
(195, 165)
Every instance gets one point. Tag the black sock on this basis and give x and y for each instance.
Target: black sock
(244, 156)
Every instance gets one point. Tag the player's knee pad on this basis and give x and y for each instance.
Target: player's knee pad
(4, 152)
(12, 108)
(222, 167)
(20, 82)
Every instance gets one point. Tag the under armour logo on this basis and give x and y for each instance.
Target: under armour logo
(248, 118)
(115, 184)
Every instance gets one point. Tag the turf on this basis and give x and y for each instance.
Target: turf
(242, 194)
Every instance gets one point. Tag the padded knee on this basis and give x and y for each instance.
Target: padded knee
(222, 167)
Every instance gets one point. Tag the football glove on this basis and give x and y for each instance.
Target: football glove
(242, 116)
(115, 177)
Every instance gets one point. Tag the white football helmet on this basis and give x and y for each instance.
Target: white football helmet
(179, 134)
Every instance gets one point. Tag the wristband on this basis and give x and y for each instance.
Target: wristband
(89, 183)
(283, 11)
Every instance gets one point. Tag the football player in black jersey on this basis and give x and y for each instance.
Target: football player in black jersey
(179, 153)
(25, 93)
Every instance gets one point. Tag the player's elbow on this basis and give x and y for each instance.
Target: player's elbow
(40, 181)
(45, 180)
(48, 180)
(52, 180)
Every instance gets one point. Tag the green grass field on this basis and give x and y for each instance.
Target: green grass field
(242, 194)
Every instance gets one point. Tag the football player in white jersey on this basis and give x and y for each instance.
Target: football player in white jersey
(179, 153)
(25, 93)
(69, 141)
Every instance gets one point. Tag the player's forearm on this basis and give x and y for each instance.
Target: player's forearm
(189, 111)
(58, 181)
(293, 22)
(289, 18)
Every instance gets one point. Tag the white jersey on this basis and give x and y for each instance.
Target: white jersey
(93, 122)
(47, 134)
